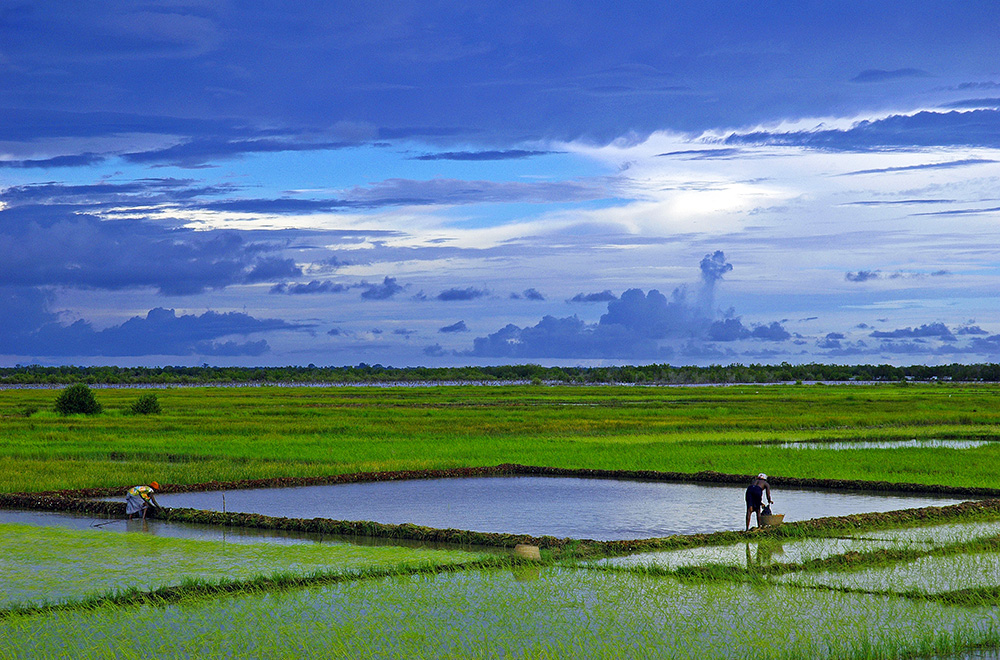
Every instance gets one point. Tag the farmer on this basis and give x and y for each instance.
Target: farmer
(755, 492)
(139, 498)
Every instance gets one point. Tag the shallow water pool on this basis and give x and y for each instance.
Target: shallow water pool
(599, 509)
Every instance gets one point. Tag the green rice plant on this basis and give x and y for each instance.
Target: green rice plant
(45, 565)
(562, 613)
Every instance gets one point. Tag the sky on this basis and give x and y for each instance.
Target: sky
(188, 182)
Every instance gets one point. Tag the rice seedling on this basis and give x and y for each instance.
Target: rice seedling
(564, 613)
(50, 565)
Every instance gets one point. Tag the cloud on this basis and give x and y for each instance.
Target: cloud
(469, 293)
(974, 103)
(862, 276)
(869, 275)
(314, 286)
(454, 327)
(399, 192)
(634, 327)
(55, 245)
(75, 160)
(387, 289)
(434, 350)
(160, 332)
(935, 330)
(603, 296)
(881, 75)
(508, 154)
(195, 153)
(924, 129)
(533, 294)
(704, 154)
(971, 330)
(965, 162)
(732, 329)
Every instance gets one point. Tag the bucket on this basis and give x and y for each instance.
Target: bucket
(772, 520)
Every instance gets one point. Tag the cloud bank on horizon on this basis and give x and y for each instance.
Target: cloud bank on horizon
(441, 183)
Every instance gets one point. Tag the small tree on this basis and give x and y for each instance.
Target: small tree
(77, 398)
(147, 404)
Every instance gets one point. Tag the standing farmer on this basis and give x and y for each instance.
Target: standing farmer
(755, 492)
(139, 498)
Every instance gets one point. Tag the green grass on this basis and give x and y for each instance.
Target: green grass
(208, 434)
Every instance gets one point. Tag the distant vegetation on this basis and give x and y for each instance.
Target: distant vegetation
(653, 374)
(77, 399)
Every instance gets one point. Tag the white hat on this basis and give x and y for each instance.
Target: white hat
(762, 476)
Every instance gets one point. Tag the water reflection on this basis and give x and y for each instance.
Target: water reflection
(840, 445)
(600, 509)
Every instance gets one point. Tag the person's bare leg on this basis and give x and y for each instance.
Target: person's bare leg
(748, 519)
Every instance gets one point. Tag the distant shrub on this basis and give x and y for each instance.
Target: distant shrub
(147, 404)
(77, 399)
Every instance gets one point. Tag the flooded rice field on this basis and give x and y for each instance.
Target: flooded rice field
(563, 507)
(194, 531)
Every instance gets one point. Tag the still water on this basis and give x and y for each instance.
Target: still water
(599, 509)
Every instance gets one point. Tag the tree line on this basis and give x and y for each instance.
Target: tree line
(650, 374)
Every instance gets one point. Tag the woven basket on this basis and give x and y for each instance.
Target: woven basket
(772, 520)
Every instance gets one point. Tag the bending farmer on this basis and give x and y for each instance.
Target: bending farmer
(139, 498)
(755, 492)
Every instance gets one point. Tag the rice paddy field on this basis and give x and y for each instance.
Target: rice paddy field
(899, 587)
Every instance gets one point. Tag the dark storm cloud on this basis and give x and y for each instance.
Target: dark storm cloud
(468, 293)
(454, 327)
(603, 296)
(881, 75)
(508, 154)
(492, 71)
(533, 294)
(58, 246)
(387, 289)
(161, 332)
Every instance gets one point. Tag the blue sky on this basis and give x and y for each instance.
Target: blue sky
(446, 183)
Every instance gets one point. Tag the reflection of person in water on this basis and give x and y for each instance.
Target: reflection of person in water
(755, 495)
